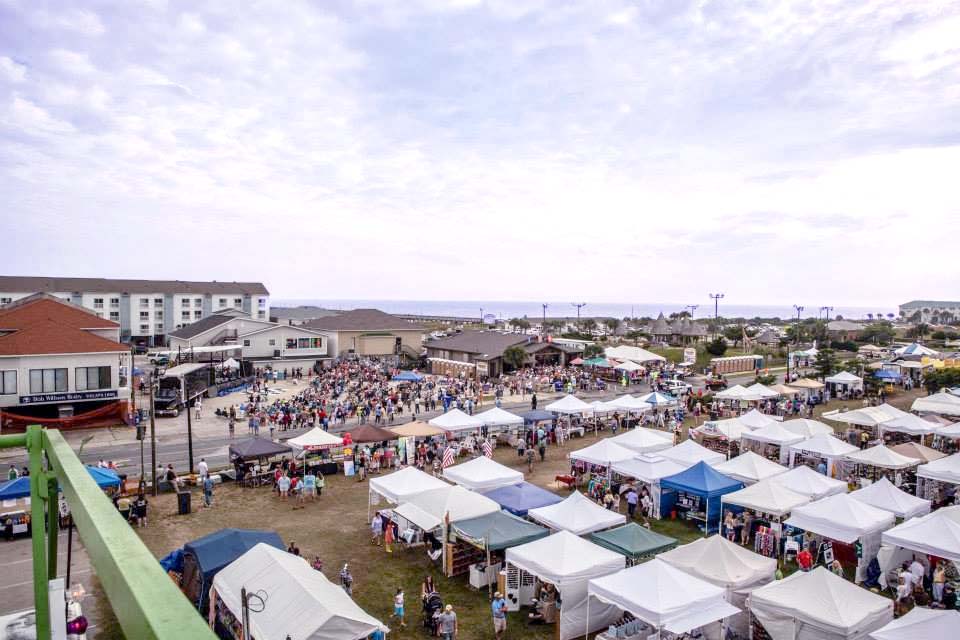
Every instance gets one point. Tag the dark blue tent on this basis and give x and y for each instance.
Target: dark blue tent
(886, 374)
(20, 488)
(407, 376)
(537, 415)
(702, 487)
(520, 498)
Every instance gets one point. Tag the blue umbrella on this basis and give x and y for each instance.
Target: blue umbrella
(407, 376)
(20, 488)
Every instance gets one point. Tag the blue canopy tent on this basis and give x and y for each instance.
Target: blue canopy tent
(886, 374)
(697, 491)
(407, 376)
(520, 498)
(20, 488)
(537, 415)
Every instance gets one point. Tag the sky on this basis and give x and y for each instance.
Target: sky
(604, 150)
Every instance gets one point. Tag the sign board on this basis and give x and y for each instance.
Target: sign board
(482, 368)
(689, 354)
(489, 319)
(68, 397)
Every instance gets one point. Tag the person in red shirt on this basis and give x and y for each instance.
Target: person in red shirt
(805, 560)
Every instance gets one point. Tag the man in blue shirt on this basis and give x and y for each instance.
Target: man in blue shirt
(499, 608)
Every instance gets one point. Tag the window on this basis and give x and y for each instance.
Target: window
(114, 302)
(115, 316)
(6, 300)
(272, 342)
(48, 380)
(159, 327)
(198, 303)
(303, 343)
(261, 314)
(144, 303)
(92, 378)
(144, 329)
(238, 302)
(158, 302)
(223, 302)
(262, 303)
(158, 314)
(198, 314)
(8, 382)
(246, 343)
(185, 302)
(144, 315)
(98, 303)
(184, 315)
(291, 343)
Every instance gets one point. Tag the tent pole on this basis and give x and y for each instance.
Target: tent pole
(586, 625)
(486, 544)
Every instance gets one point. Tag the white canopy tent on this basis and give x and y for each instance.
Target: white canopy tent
(808, 482)
(916, 349)
(882, 494)
(824, 446)
(806, 427)
(315, 439)
(577, 514)
(497, 417)
(649, 469)
(910, 424)
(600, 406)
(750, 468)
(738, 393)
(482, 474)
(936, 534)
(427, 510)
(630, 404)
(943, 403)
(402, 485)
(456, 420)
(865, 417)
(731, 429)
(920, 622)
(845, 379)
(766, 497)
(689, 453)
(883, 457)
(628, 366)
(949, 431)
(568, 562)
(756, 420)
(762, 390)
(230, 363)
(634, 354)
(945, 470)
(727, 565)
(662, 596)
(603, 453)
(304, 604)
(772, 435)
(569, 405)
(818, 606)
(643, 440)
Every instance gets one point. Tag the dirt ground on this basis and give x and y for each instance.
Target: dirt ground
(335, 528)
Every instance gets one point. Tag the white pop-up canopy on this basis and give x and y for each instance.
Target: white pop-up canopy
(482, 474)
(767, 497)
(427, 510)
(629, 403)
(919, 622)
(304, 604)
(230, 363)
(663, 597)
(499, 418)
(840, 517)
(810, 483)
(634, 354)
(456, 420)
(774, 433)
(732, 429)
(943, 470)
(824, 446)
(603, 453)
(402, 485)
(910, 424)
(628, 365)
(936, 534)
(738, 392)
(569, 404)
(865, 417)
(806, 427)
(818, 605)
(648, 468)
(315, 439)
(762, 390)
(943, 403)
(756, 420)
(750, 468)
(577, 514)
(845, 377)
(568, 562)
(689, 453)
(949, 430)
(882, 494)
(643, 440)
(883, 457)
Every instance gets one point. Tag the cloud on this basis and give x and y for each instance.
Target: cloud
(11, 71)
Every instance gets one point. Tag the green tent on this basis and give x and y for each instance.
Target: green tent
(500, 530)
(598, 362)
(633, 541)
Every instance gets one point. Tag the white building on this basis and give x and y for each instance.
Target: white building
(935, 311)
(146, 310)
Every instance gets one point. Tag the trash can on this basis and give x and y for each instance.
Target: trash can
(183, 502)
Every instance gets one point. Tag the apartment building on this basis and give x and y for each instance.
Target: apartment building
(146, 310)
(935, 311)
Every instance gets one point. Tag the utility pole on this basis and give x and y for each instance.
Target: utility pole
(543, 327)
(691, 308)
(828, 311)
(153, 442)
(578, 306)
(716, 297)
(189, 436)
(481, 317)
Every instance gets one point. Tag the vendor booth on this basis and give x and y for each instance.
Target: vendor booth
(644, 440)
(806, 387)
(428, 510)
(298, 601)
(635, 542)
(806, 427)
(660, 600)
(840, 522)
(368, 433)
(695, 493)
(936, 534)
(257, 449)
(750, 468)
(938, 480)
(907, 428)
(456, 420)
(491, 534)
(595, 463)
(400, 486)
(577, 514)
(874, 463)
(726, 565)
(317, 440)
(689, 453)
(772, 442)
(808, 482)
(756, 420)
(647, 470)
(763, 391)
(918, 452)
(738, 393)
(722, 436)
(482, 474)
(417, 429)
(844, 384)
(566, 563)
(942, 403)
(947, 438)
(819, 451)
(498, 421)
(816, 605)
(919, 622)
(882, 494)
(768, 503)
(569, 406)
(519, 498)
(658, 400)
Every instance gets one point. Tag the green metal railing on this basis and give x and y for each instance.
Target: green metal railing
(146, 602)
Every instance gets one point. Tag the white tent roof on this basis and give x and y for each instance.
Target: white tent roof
(498, 417)
(648, 468)
(774, 433)
(482, 474)
(945, 403)
(919, 622)
(882, 456)
(844, 377)
(750, 468)
(762, 390)
(721, 563)
(564, 558)
(230, 363)
(882, 494)
(605, 407)
(636, 354)
(936, 534)
(404, 484)
(950, 430)
(911, 424)
(603, 452)
(756, 420)
(577, 514)
(304, 604)
(731, 429)
(915, 349)
(818, 605)
(689, 453)
(663, 596)
(569, 404)
(738, 392)
(945, 469)
(629, 403)
(767, 497)
(840, 517)
(865, 417)
(428, 509)
(808, 482)
(628, 365)
(825, 445)
(643, 440)
(806, 427)
(316, 438)
(806, 383)
(456, 420)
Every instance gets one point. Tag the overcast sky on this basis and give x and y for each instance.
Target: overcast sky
(500, 149)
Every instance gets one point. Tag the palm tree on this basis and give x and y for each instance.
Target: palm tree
(514, 356)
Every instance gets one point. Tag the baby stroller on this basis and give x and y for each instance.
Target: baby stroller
(432, 606)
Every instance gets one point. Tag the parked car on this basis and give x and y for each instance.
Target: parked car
(159, 359)
(139, 349)
(677, 387)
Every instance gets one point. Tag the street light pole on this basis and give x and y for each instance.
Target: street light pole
(692, 308)
(543, 327)
(578, 306)
(153, 442)
(716, 297)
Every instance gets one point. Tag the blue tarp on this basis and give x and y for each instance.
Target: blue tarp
(407, 376)
(520, 498)
(703, 481)
(537, 415)
(20, 488)
(217, 550)
(886, 374)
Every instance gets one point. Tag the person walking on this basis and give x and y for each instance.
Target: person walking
(530, 456)
(533, 402)
(448, 623)
(208, 491)
(376, 530)
(202, 469)
(198, 408)
(499, 609)
(398, 607)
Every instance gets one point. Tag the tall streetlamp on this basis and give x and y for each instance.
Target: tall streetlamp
(691, 308)
(716, 297)
(543, 327)
(827, 312)
(578, 305)
(799, 309)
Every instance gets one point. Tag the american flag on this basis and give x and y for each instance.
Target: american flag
(487, 449)
(447, 457)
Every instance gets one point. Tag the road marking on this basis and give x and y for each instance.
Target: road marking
(73, 572)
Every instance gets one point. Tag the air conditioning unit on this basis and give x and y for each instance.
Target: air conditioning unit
(520, 587)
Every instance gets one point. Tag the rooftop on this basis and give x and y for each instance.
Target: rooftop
(202, 326)
(488, 343)
(362, 320)
(303, 312)
(19, 284)
(918, 304)
(43, 324)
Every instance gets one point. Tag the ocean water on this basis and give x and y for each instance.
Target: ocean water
(514, 309)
